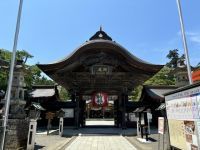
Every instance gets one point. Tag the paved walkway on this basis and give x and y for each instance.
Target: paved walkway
(50, 142)
(100, 143)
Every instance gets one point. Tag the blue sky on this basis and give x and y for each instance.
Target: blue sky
(52, 29)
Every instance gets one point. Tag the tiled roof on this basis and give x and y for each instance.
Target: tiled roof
(42, 93)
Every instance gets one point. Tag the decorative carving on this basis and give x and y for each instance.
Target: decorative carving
(100, 58)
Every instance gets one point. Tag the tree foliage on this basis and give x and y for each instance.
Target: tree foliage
(20, 55)
(162, 78)
(23, 55)
(63, 94)
(136, 93)
(174, 58)
(33, 75)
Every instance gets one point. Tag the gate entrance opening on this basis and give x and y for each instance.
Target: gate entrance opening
(103, 67)
(99, 110)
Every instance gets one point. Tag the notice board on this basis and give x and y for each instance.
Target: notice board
(183, 113)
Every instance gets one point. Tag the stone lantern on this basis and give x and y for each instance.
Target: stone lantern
(181, 74)
(61, 115)
(17, 129)
(34, 115)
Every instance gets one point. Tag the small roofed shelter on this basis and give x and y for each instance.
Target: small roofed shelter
(40, 97)
(35, 110)
(44, 95)
(153, 97)
(46, 98)
(100, 65)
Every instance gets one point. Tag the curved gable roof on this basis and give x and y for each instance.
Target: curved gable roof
(106, 45)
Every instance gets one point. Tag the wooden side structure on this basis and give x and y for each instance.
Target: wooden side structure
(153, 97)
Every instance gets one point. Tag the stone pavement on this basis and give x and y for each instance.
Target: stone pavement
(101, 137)
(153, 145)
(50, 142)
(100, 142)
(99, 131)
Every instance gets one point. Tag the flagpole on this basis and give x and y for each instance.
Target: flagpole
(184, 41)
(12, 65)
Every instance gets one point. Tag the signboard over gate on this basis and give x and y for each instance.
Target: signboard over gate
(184, 118)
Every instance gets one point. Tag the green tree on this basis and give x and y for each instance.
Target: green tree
(163, 77)
(3, 79)
(23, 55)
(5, 55)
(63, 94)
(32, 75)
(136, 93)
(174, 57)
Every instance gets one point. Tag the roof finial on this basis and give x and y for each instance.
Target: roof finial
(101, 28)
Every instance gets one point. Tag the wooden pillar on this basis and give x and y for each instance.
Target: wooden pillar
(76, 110)
(116, 112)
(124, 99)
(82, 107)
(120, 111)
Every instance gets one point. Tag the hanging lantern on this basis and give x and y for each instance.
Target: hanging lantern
(100, 99)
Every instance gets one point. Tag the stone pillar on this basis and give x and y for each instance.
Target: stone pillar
(31, 134)
(61, 126)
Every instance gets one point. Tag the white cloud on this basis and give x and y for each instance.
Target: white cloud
(192, 36)
(195, 38)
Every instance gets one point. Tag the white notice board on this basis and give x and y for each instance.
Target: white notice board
(69, 113)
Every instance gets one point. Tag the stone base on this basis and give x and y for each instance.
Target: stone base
(143, 140)
(17, 127)
(17, 133)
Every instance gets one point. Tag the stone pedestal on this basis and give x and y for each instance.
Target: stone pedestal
(17, 127)
(16, 136)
